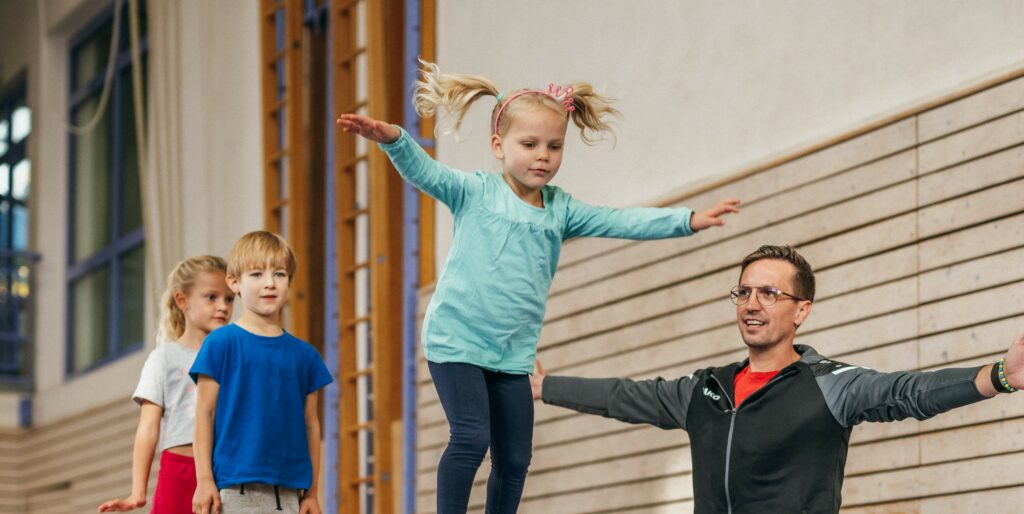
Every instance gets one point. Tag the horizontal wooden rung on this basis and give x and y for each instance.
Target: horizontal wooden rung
(358, 427)
(350, 270)
(274, 7)
(276, 155)
(350, 163)
(345, 6)
(361, 480)
(356, 106)
(355, 321)
(347, 59)
(358, 373)
(273, 58)
(274, 107)
(277, 204)
(352, 215)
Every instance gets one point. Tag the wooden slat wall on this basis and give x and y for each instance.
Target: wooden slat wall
(916, 233)
(72, 466)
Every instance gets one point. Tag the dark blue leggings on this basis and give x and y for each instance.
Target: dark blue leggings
(485, 409)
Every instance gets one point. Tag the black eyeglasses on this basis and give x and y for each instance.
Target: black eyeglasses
(766, 295)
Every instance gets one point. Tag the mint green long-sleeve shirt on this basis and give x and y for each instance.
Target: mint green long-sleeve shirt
(488, 306)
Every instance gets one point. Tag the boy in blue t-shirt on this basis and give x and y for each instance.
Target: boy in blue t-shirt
(257, 432)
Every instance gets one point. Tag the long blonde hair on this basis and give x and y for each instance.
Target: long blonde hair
(455, 93)
(181, 279)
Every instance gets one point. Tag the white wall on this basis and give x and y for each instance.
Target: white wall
(222, 171)
(707, 88)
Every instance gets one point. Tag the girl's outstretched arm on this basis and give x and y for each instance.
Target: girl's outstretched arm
(374, 130)
(146, 437)
(642, 223)
(413, 163)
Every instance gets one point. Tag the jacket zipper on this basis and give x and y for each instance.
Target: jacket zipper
(728, 442)
(732, 426)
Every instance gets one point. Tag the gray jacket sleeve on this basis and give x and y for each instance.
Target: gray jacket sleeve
(659, 402)
(856, 394)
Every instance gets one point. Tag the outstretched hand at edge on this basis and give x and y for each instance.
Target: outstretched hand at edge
(537, 380)
(374, 130)
(1015, 363)
(712, 217)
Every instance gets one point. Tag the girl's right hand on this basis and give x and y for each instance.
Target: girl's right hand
(207, 498)
(123, 505)
(374, 130)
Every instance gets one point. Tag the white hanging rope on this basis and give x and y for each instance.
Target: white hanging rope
(108, 79)
(137, 103)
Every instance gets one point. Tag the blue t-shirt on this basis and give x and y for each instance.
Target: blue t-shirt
(259, 433)
(489, 304)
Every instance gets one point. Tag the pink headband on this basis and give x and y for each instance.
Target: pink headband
(564, 96)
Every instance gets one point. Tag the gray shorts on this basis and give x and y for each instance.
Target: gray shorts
(259, 498)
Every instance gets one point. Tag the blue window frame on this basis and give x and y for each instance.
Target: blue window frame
(16, 261)
(106, 241)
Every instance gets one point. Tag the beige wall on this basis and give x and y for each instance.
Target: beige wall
(83, 426)
(707, 87)
(916, 232)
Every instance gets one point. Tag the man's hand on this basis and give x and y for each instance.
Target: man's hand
(206, 500)
(1014, 366)
(374, 130)
(713, 217)
(537, 380)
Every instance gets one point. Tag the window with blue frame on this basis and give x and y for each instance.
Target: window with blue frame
(16, 261)
(106, 241)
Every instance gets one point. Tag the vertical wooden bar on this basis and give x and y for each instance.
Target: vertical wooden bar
(299, 215)
(384, 261)
(428, 52)
(344, 48)
(270, 110)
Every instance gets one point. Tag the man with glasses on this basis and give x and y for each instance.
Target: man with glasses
(770, 434)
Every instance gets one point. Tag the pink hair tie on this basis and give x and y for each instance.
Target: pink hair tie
(562, 96)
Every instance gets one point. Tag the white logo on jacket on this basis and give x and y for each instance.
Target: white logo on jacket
(715, 397)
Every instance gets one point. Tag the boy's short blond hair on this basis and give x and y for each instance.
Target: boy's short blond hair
(261, 249)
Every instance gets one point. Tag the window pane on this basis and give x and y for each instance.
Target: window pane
(5, 179)
(22, 177)
(91, 58)
(131, 193)
(21, 124)
(90, 333)
(133, 273)
(4, 126)
(5, 224)
(19, 227)
(92, 187)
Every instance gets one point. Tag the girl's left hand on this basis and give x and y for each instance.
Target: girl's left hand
(123, 505)
(713, 217)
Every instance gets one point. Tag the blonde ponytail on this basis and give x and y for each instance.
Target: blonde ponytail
(453, 92)
(591, 112)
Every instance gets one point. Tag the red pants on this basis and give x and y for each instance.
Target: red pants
(175, 484)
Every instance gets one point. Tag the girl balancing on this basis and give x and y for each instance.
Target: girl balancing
(482, 324)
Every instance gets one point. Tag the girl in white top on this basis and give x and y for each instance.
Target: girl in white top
(197, 300)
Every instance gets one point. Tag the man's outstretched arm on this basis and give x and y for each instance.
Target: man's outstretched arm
(856, 394)
(659, 402)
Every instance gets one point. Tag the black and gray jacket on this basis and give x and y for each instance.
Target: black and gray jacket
(784, 449)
